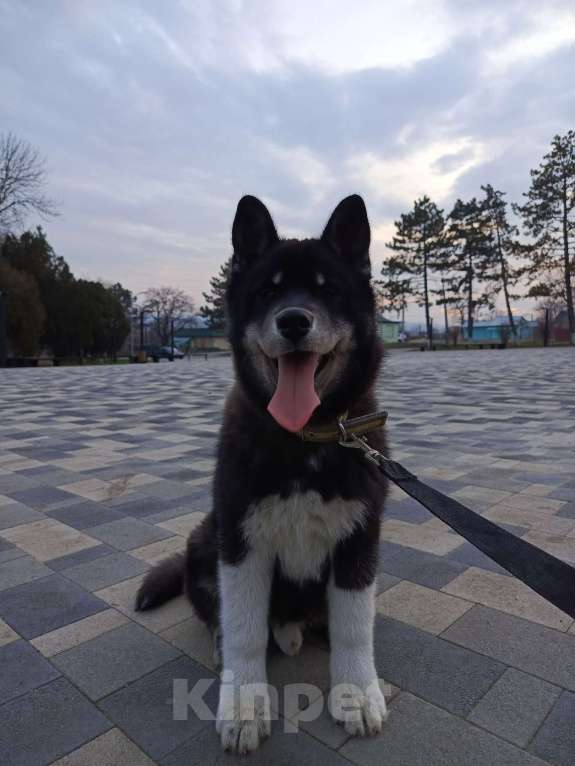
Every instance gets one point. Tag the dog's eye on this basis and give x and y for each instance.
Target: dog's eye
(268, 292)
(328, 289)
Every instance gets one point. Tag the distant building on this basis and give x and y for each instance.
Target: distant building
(498, 330)
(388, 329)
(202, 339)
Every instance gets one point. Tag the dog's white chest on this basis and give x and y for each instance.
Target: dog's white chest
(301, 530)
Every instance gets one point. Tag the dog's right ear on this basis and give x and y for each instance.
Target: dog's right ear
(253, 231)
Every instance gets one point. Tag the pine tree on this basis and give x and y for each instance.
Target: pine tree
(549, 217)
(469, 260)
(418, 246)
(505, 269)
(391, 295)
(214, 309)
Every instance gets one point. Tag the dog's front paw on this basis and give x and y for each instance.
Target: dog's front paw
(361, 711)
(244, 717)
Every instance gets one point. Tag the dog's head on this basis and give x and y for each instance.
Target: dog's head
(301, 313)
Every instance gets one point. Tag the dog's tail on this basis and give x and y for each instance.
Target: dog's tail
(165, 581)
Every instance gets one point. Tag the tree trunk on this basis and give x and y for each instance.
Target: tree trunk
(567, 266)
(470, 298)
(445, 311)
(505, 286)
(426, 295)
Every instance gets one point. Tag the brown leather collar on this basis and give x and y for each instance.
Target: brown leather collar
(333, 433)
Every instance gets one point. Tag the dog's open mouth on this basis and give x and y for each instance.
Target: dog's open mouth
(295, 397)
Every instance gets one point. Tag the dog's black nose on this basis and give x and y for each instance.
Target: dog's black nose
(294, 324)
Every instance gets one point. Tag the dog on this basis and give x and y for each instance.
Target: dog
(293, 536)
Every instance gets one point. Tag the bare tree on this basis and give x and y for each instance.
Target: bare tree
(22, 183)
(170, 308)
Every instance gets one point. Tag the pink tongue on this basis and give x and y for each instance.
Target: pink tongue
(295, 398)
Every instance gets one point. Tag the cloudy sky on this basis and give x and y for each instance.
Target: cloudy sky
(155, 117)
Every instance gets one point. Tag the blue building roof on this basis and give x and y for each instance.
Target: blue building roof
(498, 321)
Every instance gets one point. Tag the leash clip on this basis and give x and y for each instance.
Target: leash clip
(358, 442)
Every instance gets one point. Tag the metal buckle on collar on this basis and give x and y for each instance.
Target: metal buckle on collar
(331, 432)
(359, 442)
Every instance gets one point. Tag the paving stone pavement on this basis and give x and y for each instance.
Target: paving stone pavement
(104, 470)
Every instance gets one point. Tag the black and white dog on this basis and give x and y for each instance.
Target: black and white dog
(294, 532)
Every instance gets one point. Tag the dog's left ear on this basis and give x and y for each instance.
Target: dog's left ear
(347, 232)
(253, 231)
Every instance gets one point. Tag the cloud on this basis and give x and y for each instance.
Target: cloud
(339, 37)
(431, 170)
(548, 31)
(155, 118)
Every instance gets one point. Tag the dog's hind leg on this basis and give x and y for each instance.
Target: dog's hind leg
(289, 637)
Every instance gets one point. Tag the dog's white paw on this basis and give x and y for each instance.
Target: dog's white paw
(244, 719)
(289, 638)
(362, 712)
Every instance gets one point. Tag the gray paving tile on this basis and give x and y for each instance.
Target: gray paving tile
(281, 749)
(85, 514)
(515, 706)
(17, 513)
(534, 477)
(11, 553)
(567, 511)
(80, 557)
(15, 483)
(555, 740)
(385, 581)
(108, 662)
(324, 728)
(195, 506)
(49, 475)
(43, 605)
(5, 545)
(418, 566)
(47, 723)
(40, 498)
(21, 570)
(407, 510)
(110, 749)
(127, 534)
(105, 570)
(473, 557)
(440, 672)
(22, 668)
(496, 479)
(535, 649)
(563, 493)
(311, 666)
(166, 489)
(137, 504)
(420, 733)
(144, 710)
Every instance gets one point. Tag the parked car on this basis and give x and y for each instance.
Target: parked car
(163, 352)
(175, 352)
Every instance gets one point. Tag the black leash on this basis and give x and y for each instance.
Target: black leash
(546, 575)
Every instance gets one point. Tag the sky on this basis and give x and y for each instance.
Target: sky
(155, 118)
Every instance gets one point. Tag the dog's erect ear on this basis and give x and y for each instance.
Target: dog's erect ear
(347, 232)
(253, 231)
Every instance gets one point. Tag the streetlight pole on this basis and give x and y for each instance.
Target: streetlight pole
(3, 327)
